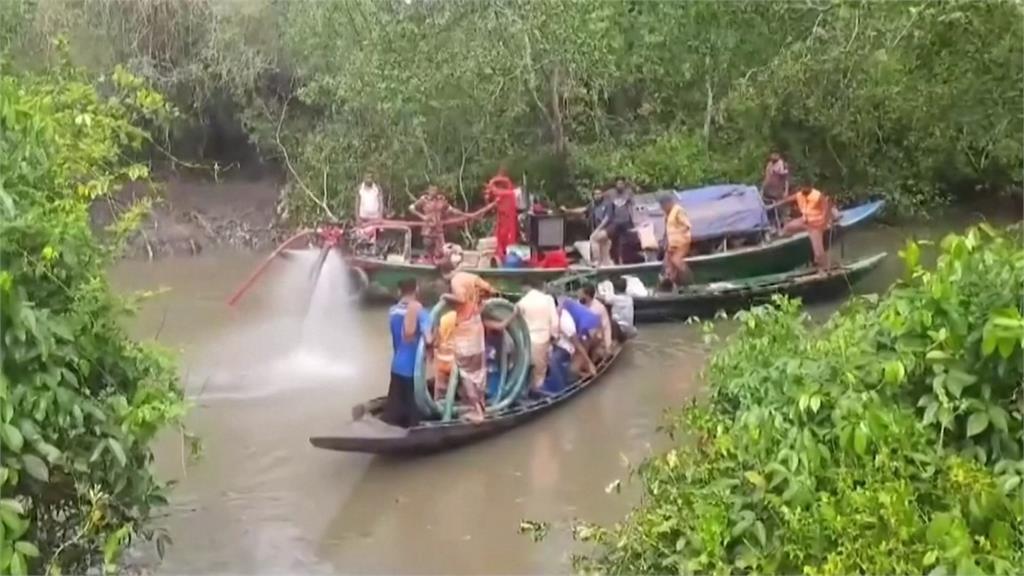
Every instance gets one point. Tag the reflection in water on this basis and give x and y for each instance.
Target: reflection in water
(263, 500)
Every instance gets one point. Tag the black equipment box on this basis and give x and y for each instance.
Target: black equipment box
(547, 231)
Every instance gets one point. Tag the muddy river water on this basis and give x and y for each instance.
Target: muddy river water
(265, 376)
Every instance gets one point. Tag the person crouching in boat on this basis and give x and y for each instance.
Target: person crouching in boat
(675, 272)
(603, 343)
(588, 334)
(409, 323)
(569, 349)
(541, 316)
(816, 216)
(467, 290)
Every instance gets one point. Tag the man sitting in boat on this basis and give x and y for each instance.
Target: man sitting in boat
(675, 272)
(409, 323)
(539, 312)
(603, 343)
(467, 291)
(816, 216)
(569, 350)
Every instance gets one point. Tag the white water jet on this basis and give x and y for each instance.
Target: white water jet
(306, 335)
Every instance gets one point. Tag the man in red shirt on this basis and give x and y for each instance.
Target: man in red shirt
(506, 231)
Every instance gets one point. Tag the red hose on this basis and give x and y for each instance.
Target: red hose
(259, 271)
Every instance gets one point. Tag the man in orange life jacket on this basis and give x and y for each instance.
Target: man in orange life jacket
(816, 215)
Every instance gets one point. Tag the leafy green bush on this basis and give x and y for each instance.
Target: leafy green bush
(670, 160)
(80, 402)
(887, 441)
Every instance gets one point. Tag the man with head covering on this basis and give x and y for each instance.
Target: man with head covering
(467, 340)
(677, 241)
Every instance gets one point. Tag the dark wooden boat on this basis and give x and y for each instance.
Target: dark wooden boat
(704, 300)
(367, 433)
(772, 256)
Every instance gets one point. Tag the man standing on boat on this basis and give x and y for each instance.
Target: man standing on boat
(816, 215)
(541, 316)
(677, 241)
(433, 207)
(370, 200)
(775, 185)
(467, 291)
(621, 228)
(409, 323)
(598, 212)
(502, 191)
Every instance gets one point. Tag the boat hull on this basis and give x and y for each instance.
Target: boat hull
(779, 255)
(808, 285)
(369, 434)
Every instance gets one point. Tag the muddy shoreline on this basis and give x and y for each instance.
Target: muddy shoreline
(188, 216)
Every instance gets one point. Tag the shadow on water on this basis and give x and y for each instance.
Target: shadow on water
(262, 500)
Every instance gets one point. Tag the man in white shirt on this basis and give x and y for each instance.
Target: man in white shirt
(621, 303)
(539, 312)
(371, 202)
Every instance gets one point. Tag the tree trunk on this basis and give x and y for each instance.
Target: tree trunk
(709, 109)
(557, 123)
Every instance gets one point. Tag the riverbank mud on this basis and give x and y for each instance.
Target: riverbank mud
(188, 216)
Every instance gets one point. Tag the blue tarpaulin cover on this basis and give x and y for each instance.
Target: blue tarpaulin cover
(714, 211)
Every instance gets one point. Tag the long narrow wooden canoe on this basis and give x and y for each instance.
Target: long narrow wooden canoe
(774, 256)
(705, 300)
(367, 433)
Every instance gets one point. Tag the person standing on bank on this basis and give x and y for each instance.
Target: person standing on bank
(409, 323)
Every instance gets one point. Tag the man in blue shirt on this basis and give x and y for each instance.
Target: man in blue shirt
(409, 323)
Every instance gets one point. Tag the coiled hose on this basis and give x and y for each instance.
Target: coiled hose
(513, 374)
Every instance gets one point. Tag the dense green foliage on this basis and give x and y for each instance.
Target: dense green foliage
(80, 402)
(887, 441)
(916, 100)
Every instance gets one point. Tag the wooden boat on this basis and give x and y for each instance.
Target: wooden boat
(774, 256)
(367, 433)
(705, 300)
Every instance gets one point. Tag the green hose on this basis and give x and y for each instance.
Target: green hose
(513, 379)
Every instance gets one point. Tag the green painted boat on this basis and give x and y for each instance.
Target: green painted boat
(774, 256)
(704, 300)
